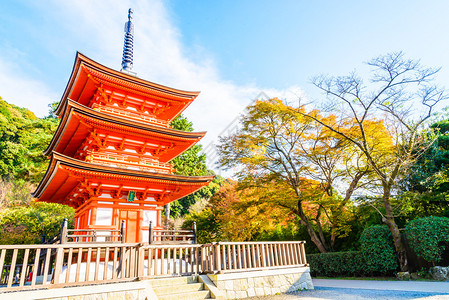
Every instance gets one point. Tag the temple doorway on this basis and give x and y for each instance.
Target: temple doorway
(132, 223)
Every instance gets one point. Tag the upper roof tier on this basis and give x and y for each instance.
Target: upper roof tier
(92, 84)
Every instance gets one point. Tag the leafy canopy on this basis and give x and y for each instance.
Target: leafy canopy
(23, 138)
(190, 163)
(279, 145)
(27, 224)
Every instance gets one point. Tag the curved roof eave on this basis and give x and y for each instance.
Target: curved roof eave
(58, 159)
(81, 58)
(75, 106)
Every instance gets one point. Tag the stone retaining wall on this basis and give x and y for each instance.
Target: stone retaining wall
(262, 283)
(140, 290)
(222, 286)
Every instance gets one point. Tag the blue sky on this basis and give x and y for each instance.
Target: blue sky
(229, 50)
(284, 43)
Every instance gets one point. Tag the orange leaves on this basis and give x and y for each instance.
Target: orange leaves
(290, 162)
(245, 214)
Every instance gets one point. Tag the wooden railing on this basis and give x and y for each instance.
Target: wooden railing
(42, 266)
(126, 162)
(226, 257)
(91, 235)
(33, 266)
(172, 236)
(170, 260)
(134, 116)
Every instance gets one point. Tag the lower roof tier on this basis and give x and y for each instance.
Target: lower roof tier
(71, 181)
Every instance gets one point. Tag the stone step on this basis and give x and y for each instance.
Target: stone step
(186, 287)
(186, 296)
(173, 281)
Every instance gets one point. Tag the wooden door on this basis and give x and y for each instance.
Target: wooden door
(131, 218)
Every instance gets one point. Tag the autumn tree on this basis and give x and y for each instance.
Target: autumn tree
(235, 214)
(338, 167)
(278, 147)
(401, 93)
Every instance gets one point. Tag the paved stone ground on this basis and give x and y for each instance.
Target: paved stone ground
(355, 294)
(366, 289)
(393, 285)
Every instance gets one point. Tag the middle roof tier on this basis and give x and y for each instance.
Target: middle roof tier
(84, 131)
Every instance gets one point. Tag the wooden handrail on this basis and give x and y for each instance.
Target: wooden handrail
(171, 235)
(144, 164)
(131, 115)
(256, 243)
(68, 245)
(176, 235)
(90, 235)
(43, 266)
(172, 230)
(245, 256)
(93, 230)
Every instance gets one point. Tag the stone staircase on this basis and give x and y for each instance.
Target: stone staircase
(179, 288)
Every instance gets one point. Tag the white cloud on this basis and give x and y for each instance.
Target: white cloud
(23, 91)
(158, 56)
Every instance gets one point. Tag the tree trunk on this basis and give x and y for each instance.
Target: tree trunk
(167, 214)
(313, 236)
(320, 229)
(333, 237)
(390, 222)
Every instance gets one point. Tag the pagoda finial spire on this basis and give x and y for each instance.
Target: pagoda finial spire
(127, 59)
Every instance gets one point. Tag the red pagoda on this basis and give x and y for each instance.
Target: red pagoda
(110, 154)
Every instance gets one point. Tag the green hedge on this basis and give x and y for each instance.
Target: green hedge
(332, 264)
(378, 250)
(428, 237)
(377, 257)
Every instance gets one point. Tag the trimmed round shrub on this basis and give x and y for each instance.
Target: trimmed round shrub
(428, 237)
(378, 250)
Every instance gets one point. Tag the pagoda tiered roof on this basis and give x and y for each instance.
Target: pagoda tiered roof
(114, 143)
(79, 121)
(92, 82)
(110, 155)
(69, 181)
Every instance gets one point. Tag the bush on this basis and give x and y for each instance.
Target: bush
(333, 264)
(26, 224)
(207, 227)
(428, 237)
(378, 250)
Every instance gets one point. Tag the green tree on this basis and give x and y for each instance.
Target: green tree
(15, 192)
(23, 138)
(182, 207)
(425, 189)
(430, 172)
(27, 224)
(190, 163)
